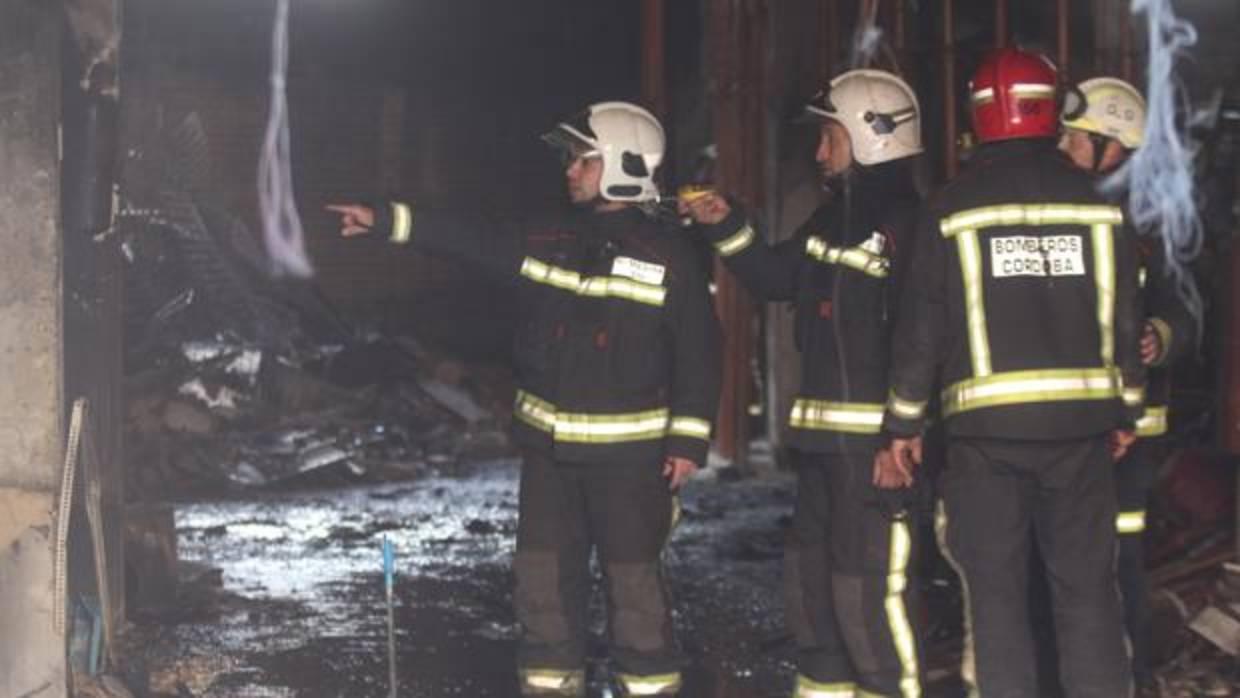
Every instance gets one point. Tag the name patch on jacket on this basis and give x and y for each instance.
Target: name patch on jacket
(1053, 255)
(638, 270)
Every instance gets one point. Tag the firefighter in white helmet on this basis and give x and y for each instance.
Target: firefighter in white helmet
(1104, 122)
(617, 360)
(848, 549)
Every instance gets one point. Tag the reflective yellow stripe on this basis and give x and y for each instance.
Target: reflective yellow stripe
(1153, 422)
(970, 252)
(1133, 397)
(1104, 279)
(857, 258)
(577, 427)
(1017, 387)
(853, 417)
(897, 612)
(968, 658)
(537, 413)
(563, 682)
(657, 685)
(402, 222)
(735, 242)
(594, 286)
(905, 409)
(1130, 521)
(1029, 214)
(691, 427)
(809, 688)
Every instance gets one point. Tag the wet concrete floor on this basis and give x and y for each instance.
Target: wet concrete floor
(301, 610)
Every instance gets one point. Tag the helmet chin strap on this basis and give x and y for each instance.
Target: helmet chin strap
(1100, 149)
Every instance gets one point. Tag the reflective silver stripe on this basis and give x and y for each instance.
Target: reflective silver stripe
(402, 222)
(968, 658)
(897, 612)
(1018, 387)
(1029, 214)
(986, 94)
(1032, 89)
(1133, 397)
(1104, 278)
(577, 427)
(691, 427)
(593, 286)
(1153, 422)
(657, 685)
(905, 409)
(970, 252)
(853, 417)
(809, 688)
(857, 258)
(735, 242)
(1130, 522)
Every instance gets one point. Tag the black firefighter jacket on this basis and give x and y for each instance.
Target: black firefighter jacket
(617, 352)
(1165, 311)
(838, 271)
(1021, 305)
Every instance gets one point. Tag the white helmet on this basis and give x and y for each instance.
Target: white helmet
(1108, 107)
(628, 138)
(877, 109)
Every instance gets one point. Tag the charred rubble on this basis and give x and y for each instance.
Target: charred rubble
(236, 379)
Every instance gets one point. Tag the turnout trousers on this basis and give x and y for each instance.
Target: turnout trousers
(847, 563)
(998, 498)
(625, 513)
(1134, 479)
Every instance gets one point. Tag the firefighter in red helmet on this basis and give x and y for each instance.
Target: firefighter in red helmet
(1021, 303)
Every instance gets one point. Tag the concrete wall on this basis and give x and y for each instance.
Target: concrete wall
(31, 655)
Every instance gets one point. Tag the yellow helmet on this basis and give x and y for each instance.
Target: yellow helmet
(1108, 107)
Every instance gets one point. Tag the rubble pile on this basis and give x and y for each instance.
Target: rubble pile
(1194, 570)
(219, 415)
(235, 378)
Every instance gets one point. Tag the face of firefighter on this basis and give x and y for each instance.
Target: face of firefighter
(1080, 148)
(582, 175)
(834, 154)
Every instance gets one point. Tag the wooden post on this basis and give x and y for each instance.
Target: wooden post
(1001, 23)
(654, 57)
(1061, 23)
(949, 89)
(829, 32)
(737, 42)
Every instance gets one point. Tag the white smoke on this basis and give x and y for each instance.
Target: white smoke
(282, 233)
(1159, 176)
(867, 37)
(865, 44)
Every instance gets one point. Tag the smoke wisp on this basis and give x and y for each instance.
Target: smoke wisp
(282, 232)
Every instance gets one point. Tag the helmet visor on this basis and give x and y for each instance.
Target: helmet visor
(568, 145)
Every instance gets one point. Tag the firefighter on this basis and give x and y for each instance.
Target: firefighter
(1021, 302)
(847, 552)
(1104, 122)
(618, 366)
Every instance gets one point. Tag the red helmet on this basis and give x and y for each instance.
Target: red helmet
(1012, 94)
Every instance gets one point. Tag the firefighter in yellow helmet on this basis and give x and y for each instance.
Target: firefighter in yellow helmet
(1104, 122)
